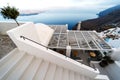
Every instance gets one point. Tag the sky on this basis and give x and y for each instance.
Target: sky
(50, 4)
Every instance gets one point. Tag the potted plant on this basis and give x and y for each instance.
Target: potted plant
(103, 63)
(108, 59)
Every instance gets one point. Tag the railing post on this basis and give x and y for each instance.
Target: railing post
(68, 51)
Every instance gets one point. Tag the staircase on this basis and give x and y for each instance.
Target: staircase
(18, 65)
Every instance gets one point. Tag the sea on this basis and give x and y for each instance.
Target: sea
(58, 16)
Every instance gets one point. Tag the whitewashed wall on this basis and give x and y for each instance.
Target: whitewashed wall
(113, 70)
(27, 30)
(116, 54)
(44, 33)
(5, 26)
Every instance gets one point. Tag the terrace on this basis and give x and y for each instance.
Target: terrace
(82, 40)
(82, 46)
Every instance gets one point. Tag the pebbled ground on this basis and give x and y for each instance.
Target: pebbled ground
(6, 45)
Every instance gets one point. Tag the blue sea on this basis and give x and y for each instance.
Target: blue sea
(59, 16)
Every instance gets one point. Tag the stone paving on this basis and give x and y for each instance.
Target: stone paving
(6, 45)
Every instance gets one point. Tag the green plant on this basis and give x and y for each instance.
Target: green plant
(10, 13)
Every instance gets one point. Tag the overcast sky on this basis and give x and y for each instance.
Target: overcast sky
(48, 4)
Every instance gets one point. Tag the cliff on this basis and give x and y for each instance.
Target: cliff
(109, 10)
(102, 23)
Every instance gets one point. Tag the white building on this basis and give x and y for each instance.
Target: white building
(35, 58)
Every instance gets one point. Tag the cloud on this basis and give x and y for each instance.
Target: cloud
(47, 4)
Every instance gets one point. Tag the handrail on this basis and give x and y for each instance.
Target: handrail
(34, 41)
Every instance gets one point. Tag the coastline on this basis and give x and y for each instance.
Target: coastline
(67, 16)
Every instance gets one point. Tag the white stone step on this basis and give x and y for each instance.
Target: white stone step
(58, 73)
(42, 70)
(31, 70)
(8, 56)
(103, 77)
(50, 72)
(86, 78)
(20, 68)
(82, 77)
(65, 74)
(71, 77)
(9, 65)
(77, 76)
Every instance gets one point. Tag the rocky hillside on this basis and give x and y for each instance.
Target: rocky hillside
(102, 23)
(109, 10)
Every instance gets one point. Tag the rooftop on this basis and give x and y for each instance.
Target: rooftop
(112, 37)
(81, 40)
